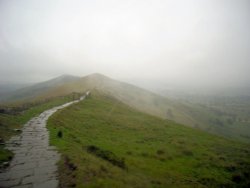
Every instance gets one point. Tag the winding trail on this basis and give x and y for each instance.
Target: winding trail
(34, 162)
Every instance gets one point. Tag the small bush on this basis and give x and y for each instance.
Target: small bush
(59, 134)
(107, 155)
(160, 152)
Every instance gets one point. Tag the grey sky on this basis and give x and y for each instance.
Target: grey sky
(182, 42)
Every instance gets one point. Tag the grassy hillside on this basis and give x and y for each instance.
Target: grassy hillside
(186, 113)
(15, 116)
(133, 96)
(105, 143)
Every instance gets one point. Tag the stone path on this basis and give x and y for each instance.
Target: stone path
(34, 162)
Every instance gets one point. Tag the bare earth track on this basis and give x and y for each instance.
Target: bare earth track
(34, 162)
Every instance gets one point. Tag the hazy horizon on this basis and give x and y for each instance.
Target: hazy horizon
(167, 43)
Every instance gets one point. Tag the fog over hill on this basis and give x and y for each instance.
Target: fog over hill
(223, 115)
(197, 45)
(145, 93)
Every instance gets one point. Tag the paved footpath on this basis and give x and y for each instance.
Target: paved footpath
(34, 162)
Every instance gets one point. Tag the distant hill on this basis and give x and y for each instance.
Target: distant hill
(6, 89)
(38, 89)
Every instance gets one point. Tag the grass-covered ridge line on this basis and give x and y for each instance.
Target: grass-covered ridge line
(14, 116)
(157, 153)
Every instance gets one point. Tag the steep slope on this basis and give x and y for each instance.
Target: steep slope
(136, 97)
(105, 143)
(38, 89)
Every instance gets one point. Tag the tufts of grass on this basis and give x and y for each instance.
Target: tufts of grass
(5, 155)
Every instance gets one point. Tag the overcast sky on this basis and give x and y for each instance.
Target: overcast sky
(182, 42)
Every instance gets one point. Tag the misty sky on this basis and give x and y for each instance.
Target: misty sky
(182, 42)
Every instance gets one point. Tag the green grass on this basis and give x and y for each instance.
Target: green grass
(155, 152)
(5, 155)
(20, 114)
